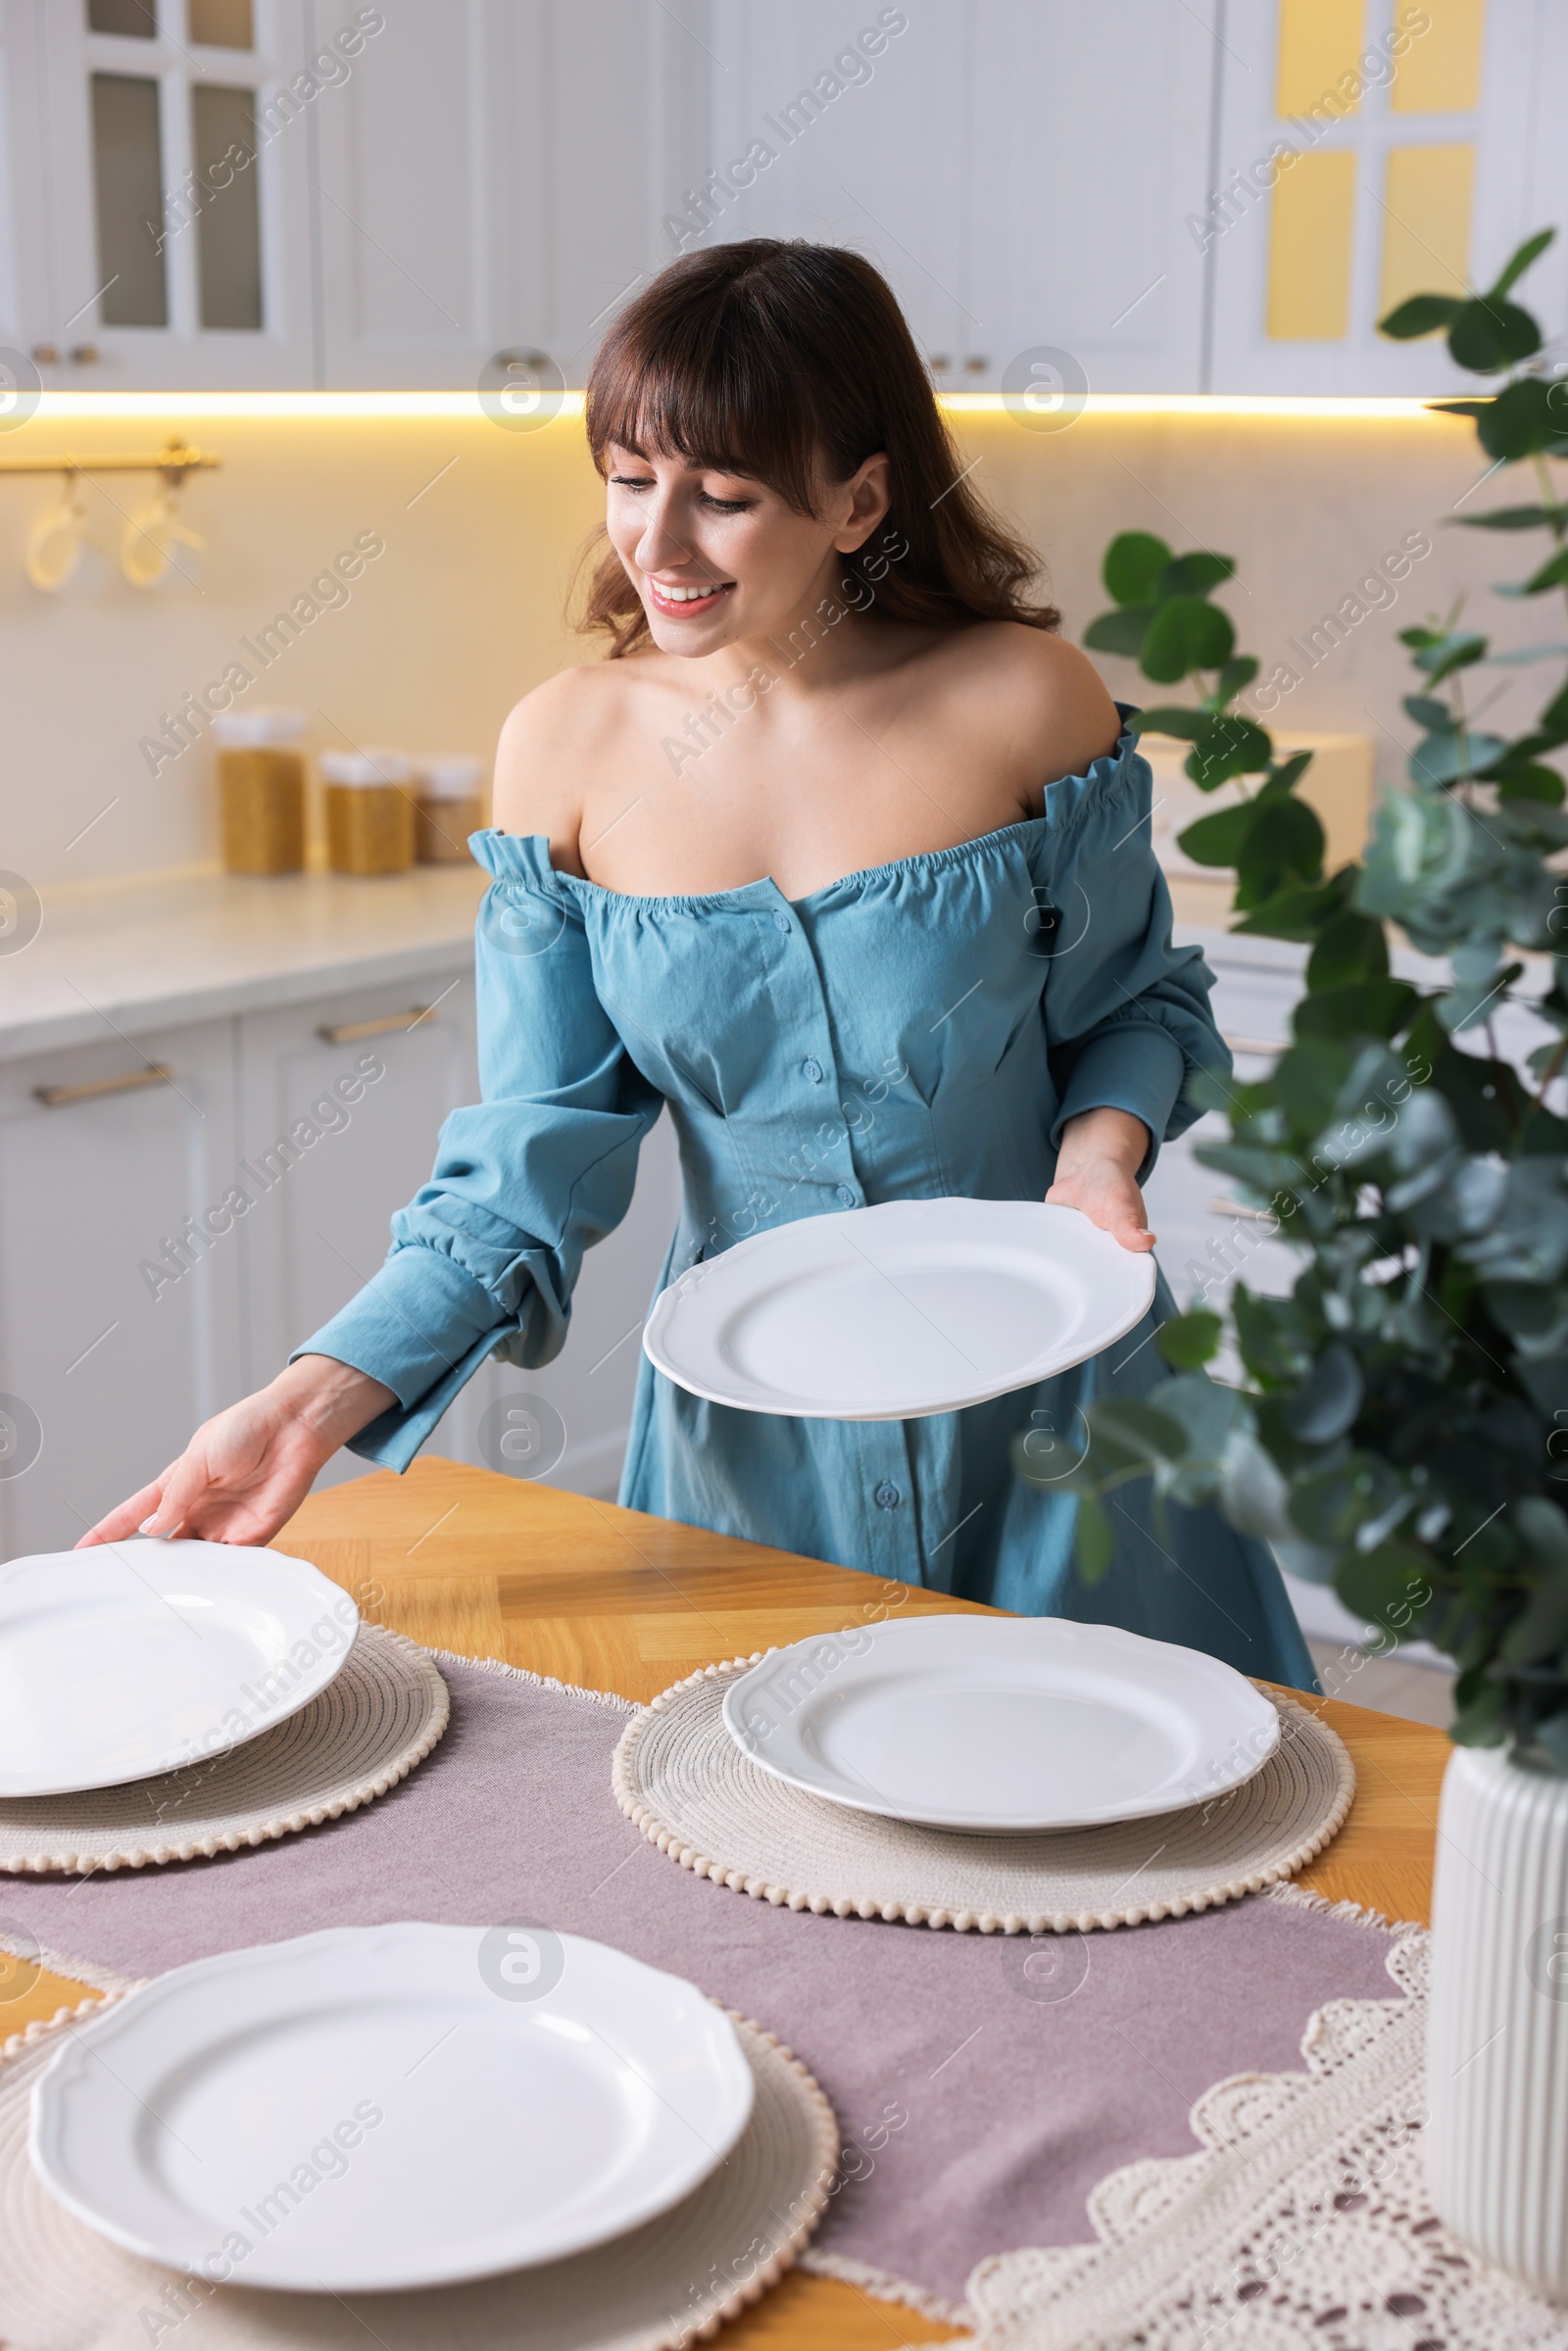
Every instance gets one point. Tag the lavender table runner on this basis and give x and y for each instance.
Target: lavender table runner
(983, 2083)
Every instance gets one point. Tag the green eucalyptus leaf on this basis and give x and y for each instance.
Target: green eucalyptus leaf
(1120, 632)
(1445, 759)
(1174, 720)
(1251, 1492)
(1283, 845)
(1521, 421)
(1352, 947)
(1490, 335)
(1384, 1586)
(1515, 517)
(1359, 1007)
(1551, 574)
(1287, 773)
(1237, 675)
(1436, 717)
(1216, 839)
(1520, 261)
(1532, 782)
(1325, 1406)
(1227, 746)
(1440, 655)
(1194, 576)
(1096, 1538)
(1187, 1340)
(1186, 634)
(1421, 315)
(1133, 565)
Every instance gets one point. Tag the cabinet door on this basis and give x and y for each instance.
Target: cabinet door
(848, 148)
(120, 1273)
(1091, 152)
(167, 233)
(1365, 154)
(319, 1228)
(493, 178)
(341, 1102)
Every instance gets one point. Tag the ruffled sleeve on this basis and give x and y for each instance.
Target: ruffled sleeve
(488, 1252)
(1127, 1014)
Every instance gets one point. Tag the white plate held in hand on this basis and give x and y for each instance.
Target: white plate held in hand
(138, 1657)
(1001, 1725)
(377, 2108)
(893, 1312)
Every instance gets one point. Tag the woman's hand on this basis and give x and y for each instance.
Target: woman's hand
(246, 1471)
(1097, 1171)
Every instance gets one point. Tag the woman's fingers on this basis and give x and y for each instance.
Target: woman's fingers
(126, 1518)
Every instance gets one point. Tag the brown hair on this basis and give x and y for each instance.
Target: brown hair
(771, 359)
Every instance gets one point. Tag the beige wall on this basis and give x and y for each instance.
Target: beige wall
(461, 613)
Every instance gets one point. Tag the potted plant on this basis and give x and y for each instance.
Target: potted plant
(1402, 1429)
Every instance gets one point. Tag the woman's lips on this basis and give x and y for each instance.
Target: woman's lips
(681, 608)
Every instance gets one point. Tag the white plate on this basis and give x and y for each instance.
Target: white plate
(893, 1312)
(138, 1657)
(1001, 1725)
(383, 2107)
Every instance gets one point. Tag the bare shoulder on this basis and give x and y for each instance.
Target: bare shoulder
(1045, 700)
(553, 742)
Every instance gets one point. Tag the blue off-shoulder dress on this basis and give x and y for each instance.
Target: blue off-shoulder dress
(914, 1030)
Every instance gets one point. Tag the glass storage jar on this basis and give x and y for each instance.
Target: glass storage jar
(369, 811)
(261, 778)
(449, 787)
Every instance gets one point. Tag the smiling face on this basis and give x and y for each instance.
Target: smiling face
(720, 559)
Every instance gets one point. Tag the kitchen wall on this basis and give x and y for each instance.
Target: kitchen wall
(479, 530)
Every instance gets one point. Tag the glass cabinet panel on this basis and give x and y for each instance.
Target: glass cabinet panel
(128, 188)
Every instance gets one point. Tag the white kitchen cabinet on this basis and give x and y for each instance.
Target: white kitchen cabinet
(140, 250)
(1018, 169)
(321, 1227)
(1392, 193)
(493, 180)
(119, 1330)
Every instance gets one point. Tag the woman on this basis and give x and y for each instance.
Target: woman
(843, 854)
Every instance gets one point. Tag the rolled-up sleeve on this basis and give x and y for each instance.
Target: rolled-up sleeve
(486, 1255)
(1127, 1014)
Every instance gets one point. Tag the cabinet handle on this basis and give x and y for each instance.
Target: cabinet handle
(1220, 1206)
(46, 354)
(1253, 1045)
(84, 355)
(349, 1032)
(55, 1097)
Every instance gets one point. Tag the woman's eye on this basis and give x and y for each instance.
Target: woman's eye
(725, 506)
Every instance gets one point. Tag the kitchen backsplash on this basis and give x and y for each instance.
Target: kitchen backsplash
(402, 579)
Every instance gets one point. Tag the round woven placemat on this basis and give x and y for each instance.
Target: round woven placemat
(63, 2288)
(369, 1727)
(692, 1790)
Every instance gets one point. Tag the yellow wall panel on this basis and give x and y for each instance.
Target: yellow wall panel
(1312, 213)
(1426, 227)
(1440, 72)
(1319, 41)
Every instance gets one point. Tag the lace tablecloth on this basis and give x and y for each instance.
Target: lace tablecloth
(1304, 2220)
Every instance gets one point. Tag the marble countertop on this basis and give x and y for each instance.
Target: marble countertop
(160, 951)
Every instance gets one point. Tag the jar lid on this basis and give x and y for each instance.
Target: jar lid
(449, 775)
(252, 729)
(365, 769)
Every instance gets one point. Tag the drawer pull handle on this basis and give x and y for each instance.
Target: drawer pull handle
(55, 1097)
(349, 1032)
(1254, 1044)
(1234, 1208)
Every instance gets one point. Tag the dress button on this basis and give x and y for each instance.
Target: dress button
(811, 1070)
(887, 1495)
(844, 1195)
(781, 922)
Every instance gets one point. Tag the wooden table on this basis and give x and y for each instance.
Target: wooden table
(491, 1567)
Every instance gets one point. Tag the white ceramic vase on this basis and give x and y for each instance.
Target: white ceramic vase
(1497, 2134)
